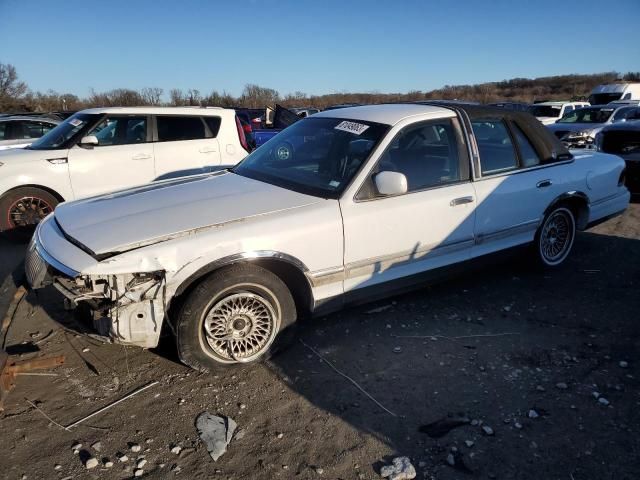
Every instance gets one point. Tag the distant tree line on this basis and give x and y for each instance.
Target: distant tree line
(15, 95)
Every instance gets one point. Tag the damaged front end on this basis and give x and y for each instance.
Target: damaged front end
(584, 139)
(127, 308)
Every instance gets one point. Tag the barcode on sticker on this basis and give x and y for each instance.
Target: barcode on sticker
(351, 127)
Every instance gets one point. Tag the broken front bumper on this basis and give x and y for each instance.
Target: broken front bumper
(127, 308)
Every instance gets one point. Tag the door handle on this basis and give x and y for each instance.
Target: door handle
(544, 183)
(141, 156)
(461, 201)
(207, 150)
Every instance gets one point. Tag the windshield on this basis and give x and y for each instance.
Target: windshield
(59, 136)
(545, 110)
(587, 115)
(315, 156)
(604, 98)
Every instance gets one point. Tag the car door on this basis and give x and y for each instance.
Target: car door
(431, 226)
(512, 190)
(123, 157)
(185, 145)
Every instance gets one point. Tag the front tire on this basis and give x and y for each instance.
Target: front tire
(554, 239)
(233, 317)
(22, 209)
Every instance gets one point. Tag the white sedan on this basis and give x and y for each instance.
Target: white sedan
(346, 205)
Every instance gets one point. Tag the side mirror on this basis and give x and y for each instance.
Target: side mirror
(391, 183)
(89, 141)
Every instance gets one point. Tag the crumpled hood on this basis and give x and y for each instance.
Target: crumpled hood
(140, 216)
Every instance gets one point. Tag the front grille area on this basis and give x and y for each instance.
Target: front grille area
(35, 267)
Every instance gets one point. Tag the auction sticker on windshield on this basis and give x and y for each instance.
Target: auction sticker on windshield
(351, 127)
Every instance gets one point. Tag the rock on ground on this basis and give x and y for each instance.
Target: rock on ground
(400, 469)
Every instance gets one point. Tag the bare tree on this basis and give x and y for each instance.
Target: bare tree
(11, 89)
(151, 95)
(195, 98)
(255, 96)
(177, 98)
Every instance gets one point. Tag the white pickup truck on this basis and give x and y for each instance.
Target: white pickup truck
(104, 149)
(550, 112)
(343, 206)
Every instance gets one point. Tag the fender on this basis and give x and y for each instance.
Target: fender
(241, 257)
(580, 199)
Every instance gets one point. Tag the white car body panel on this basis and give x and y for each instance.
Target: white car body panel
(185, 226)
(35, 167)
(412, 233)
(203, 155)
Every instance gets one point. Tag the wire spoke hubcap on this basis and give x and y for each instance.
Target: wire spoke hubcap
(240, 327)
(556, 237)
(28, 211)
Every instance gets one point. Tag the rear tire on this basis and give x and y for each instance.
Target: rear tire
(554, 239)
(236, 316)
(22, 209)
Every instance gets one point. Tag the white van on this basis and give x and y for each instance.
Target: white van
(611, 92)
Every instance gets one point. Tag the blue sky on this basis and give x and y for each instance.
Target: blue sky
(317, 47)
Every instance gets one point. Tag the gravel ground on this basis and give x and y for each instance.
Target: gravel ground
(549, 361)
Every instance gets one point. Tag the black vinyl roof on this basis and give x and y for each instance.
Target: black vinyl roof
(546, 144)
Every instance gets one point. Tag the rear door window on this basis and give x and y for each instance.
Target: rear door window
(177, 128)
(496, 150)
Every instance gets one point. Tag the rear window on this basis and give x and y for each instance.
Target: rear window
(496, 150)
(176, 128)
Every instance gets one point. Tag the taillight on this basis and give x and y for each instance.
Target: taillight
(241, 135)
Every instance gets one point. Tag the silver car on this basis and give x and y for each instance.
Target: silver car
(19, 131)
(578, 129)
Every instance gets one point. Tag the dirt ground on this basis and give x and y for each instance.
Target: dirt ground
(491, 346)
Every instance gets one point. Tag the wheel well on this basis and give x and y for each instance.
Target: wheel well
(579, 206)
(41, 187)
(292, 276)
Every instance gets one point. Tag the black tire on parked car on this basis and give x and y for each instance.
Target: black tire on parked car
(232, 318)
(21, 209)
(555, 236)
